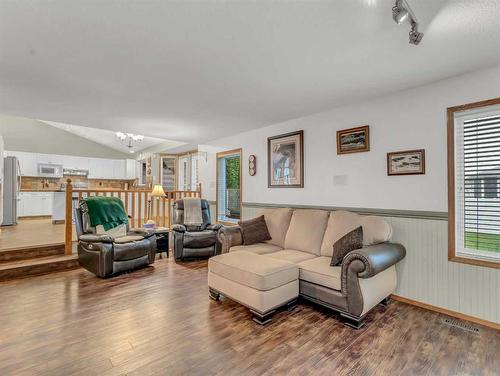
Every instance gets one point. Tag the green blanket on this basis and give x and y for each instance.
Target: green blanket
(106, 211)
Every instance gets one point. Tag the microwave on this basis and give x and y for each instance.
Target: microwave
(49, 170)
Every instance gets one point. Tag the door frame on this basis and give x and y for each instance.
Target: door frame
(220, 155)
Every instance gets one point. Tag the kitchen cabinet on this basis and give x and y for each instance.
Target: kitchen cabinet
(119, 169)
(132, 169)
(35, 204)
(99, 168)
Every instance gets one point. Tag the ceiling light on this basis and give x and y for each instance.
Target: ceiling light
(402, 11)
(129, 139)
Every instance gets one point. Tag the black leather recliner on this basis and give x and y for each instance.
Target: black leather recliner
(194, 241)
(106, 256)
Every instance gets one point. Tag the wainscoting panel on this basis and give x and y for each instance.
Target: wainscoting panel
(426, 275)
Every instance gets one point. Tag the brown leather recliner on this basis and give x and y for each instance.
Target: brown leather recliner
(194, 241)
(106, 256)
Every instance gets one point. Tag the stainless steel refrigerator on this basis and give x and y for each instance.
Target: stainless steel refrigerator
(11, 189)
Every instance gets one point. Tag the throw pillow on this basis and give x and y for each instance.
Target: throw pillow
(347, 243)
(254, 231)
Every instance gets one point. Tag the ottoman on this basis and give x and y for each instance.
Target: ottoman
(260, 283)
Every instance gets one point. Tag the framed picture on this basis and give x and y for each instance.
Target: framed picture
(408, 162)
(353, 140)
(285, 159)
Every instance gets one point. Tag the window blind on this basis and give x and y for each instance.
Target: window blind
(477, 178)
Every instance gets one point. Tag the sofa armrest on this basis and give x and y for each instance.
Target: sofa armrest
(215, 227)
(179, 228)
(369, 261)
(229, 236)
(146, 232)
(92, 238)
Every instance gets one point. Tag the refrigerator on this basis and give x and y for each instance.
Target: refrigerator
(11, 189)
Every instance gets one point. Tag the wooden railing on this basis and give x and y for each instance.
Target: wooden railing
(140, 205)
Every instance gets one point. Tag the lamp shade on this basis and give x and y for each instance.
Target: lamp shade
(158, 191)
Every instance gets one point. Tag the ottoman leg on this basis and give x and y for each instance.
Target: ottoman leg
(261, 318)
(214, 295)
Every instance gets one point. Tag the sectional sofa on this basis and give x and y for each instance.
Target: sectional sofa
(296, 261)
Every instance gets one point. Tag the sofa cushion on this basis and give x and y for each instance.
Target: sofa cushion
(290, 255)
(259, 248)
(249, 269)
(375, 229)
(319, 271)
(254, 231)
(277, 221)
(128, 238)
(200, 239)
(306, 230)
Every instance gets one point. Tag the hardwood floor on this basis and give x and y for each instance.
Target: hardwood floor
(31, 232)
(159, 320)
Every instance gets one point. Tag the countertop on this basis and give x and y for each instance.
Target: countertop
(41, 190)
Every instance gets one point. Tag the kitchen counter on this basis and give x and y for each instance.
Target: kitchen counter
(41, 190)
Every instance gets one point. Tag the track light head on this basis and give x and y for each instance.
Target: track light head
(401, 11)
(415, 35)
(399, 14)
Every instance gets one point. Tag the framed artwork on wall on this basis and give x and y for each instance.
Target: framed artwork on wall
(285, 160)
(408, 162)
(353, 140)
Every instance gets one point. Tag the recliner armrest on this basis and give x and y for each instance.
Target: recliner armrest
(179, 228)
(146, 232)
(92, 238)
(215, 227)
(229, 236)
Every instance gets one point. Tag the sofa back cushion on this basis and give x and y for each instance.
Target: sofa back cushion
(306, 230)
(375, 229)
(277, 221)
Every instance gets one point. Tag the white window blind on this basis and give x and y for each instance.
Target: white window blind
(477, 183)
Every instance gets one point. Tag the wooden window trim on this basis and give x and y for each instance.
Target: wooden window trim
(217, 156)
(451, 184)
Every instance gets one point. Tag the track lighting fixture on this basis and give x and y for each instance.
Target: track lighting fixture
(402, 11)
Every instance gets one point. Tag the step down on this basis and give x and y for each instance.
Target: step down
(30, 252)
(37, 266)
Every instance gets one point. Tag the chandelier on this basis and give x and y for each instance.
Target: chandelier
(129, 139)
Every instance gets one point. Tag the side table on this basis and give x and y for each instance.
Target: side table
(162, 235)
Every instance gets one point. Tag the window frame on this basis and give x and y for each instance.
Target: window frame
(452, 255)
(221, 155)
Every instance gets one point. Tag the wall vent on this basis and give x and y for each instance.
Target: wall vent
(461, 325)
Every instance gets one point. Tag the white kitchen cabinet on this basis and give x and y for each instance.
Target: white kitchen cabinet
(99, 168)
(118, 169)
(29, 166)
(75, 163)
(35, 204)
(132, 168)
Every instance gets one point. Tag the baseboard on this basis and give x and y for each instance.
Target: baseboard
(458, 315)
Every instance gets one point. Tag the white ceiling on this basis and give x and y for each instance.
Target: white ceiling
(108, 138)
(197, 70)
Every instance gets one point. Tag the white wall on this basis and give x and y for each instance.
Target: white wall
(22, 134)
(410, 119)
(407, 120)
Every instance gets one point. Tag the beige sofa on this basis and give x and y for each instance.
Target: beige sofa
(304, 238)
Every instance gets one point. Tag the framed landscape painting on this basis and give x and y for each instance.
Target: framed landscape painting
(285, 158)
(353, 140)
(408, 162)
